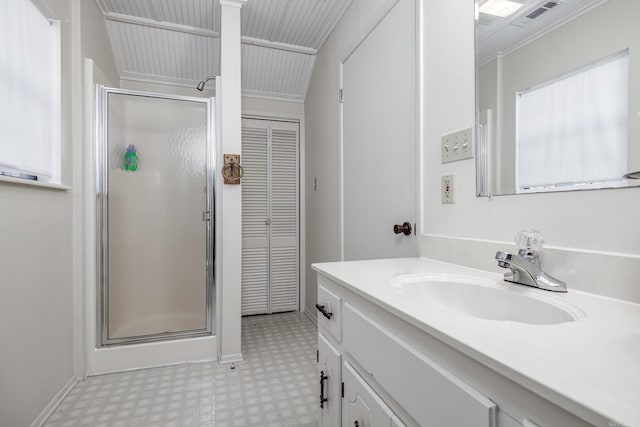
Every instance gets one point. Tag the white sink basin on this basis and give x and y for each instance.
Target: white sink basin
(486, 299)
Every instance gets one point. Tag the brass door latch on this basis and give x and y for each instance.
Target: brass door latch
(232, 172)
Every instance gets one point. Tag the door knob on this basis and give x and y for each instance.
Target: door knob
(404, 229)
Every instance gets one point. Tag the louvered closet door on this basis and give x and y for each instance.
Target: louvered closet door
(255, 213)
(269, 216)
(284, 216)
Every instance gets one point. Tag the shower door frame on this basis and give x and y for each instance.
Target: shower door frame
(102, 220)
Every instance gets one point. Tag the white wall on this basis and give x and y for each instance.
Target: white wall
(41, 267)
(322, 136)
(95, 41)
(36, 292)
(36, 359)
(272, 108)
(593, 236)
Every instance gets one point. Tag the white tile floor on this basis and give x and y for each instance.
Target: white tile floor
(274, 386)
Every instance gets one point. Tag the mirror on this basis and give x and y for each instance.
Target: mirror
(557, 94)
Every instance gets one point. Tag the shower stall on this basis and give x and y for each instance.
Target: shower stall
(155, 216)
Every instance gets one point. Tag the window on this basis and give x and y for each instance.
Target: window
(573, 131)
(30, 134)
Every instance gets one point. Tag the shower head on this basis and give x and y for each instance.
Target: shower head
(200, 86)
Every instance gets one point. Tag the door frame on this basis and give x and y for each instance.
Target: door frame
(293, 118)
(102, 219)
(419, 119)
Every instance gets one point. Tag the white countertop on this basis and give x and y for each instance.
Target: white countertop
(590, 365)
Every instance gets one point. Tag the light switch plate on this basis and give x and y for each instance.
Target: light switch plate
(457, 145)
(448, 183)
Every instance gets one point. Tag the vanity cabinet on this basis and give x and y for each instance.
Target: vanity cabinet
(429, 394)
(379, 369)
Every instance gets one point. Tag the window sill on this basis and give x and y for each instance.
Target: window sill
(28, 182)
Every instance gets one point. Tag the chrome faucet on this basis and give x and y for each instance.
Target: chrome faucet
(524, 268)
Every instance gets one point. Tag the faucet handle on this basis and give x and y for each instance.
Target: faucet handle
(529, 241)
(503, 259)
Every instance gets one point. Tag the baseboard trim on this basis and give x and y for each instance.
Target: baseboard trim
(223, 359)
(311, 316)
(145, 368)
(54, 403)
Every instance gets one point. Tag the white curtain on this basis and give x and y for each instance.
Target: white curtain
(575, 129)
(29, 90)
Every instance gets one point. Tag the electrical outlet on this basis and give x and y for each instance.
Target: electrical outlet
(447, 189)
(457, 145)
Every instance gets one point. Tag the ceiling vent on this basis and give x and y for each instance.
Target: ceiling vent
(523, 21)
(544, 8)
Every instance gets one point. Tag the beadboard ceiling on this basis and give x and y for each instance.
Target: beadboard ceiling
(179, 41)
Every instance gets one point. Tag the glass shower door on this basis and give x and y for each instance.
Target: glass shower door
(156, 194)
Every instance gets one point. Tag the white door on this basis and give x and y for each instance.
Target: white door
(379, 139)
(269, 216)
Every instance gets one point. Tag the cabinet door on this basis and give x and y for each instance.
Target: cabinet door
(269, 216)
(361, 406)
(283, 213)
(329, 364)
(255, 215)
(432, 395)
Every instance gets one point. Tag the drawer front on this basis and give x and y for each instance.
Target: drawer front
(329, 310)
(329, 372)
(361, 406)
(429, 393)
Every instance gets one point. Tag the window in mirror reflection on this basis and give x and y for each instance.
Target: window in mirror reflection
(572, 131)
